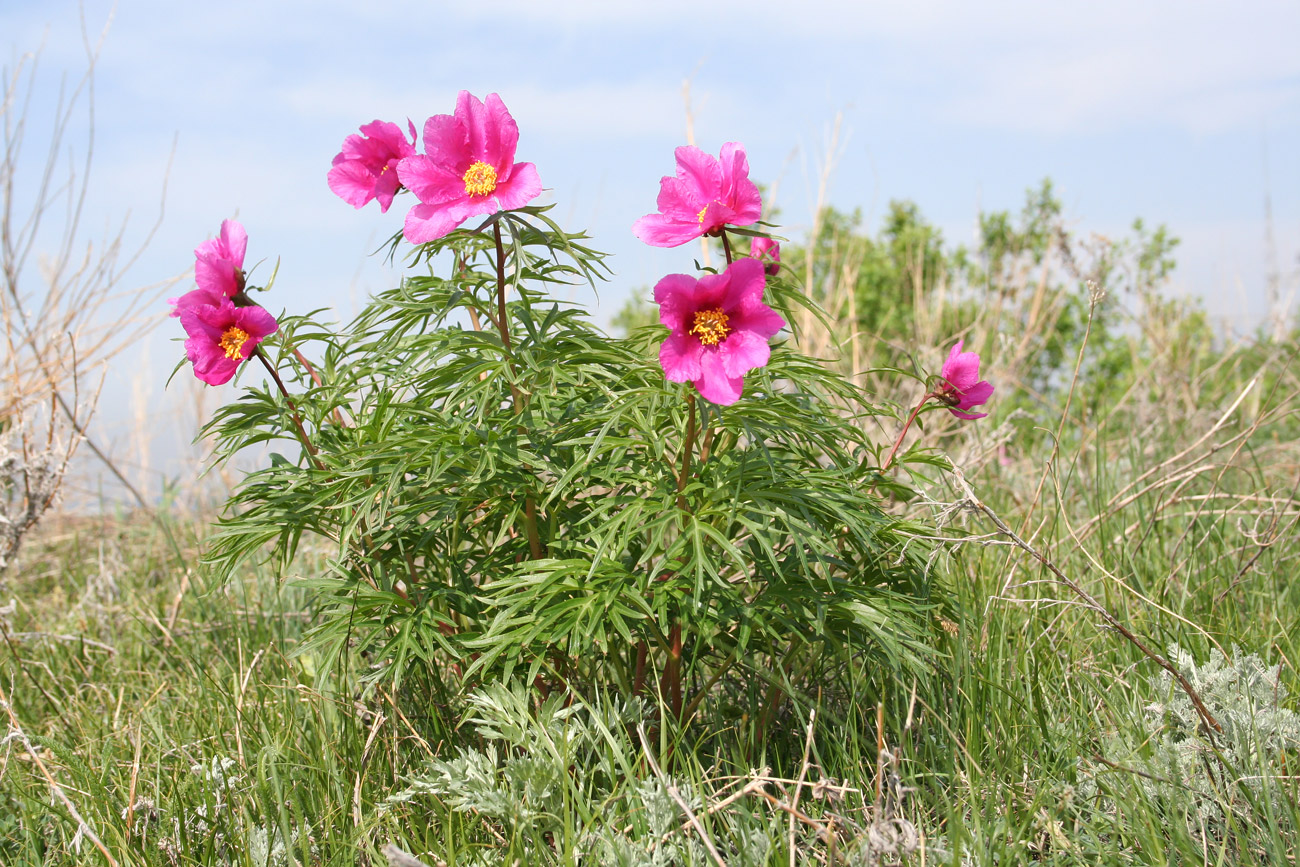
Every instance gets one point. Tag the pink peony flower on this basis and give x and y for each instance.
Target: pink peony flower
(223, 336)
(706, 195)
(768, 252)
(366, 168)
(218, 268)
(720, 328)
(962, 388)
(469, 169)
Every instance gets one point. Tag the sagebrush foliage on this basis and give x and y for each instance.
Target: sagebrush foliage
(540, 766)
(518, 493)
(1216, 785)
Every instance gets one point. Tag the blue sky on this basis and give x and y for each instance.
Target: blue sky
(1163, 110)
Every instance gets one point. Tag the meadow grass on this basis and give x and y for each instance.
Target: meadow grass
(172, 712)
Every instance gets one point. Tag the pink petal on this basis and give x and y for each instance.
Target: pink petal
(430, 180)
(761, 320)
(483, 138)
(715, 384)
(386, 187)
(962, 369)
(235, 240)
(447, 140)
(352, 182)
(977, 394)
(716, 215)
(503, 139)
(680, 357)
(257, 321)
(737, 190)
(392, 142)
(198, 321)
(743, 351)
(658, 230)
(768, 252)
(745, 284)
(194, 298)
(675, 295)
(429, 222)
(969, 416)
(523, 186)
(204, 355)
(700, 171)
(711, 290)
(679, 200)
(216, 276)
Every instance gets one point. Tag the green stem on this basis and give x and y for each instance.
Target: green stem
(726, 246)
(502, 324)
(687, 449)
(503, 327)
(672, 679)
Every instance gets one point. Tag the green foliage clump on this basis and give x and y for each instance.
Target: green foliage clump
(509, 488)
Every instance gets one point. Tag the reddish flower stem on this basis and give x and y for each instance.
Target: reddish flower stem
(293, 409)
(673, 670)
(315, 378)
(898, 442)
(638, 679)
(726, 246)
(320, 465)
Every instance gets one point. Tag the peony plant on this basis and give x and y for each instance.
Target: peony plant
(688, 515)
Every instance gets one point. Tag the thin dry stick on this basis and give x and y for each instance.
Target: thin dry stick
(1091, 603)
(82, 825)
(365, 755)
(677, 797)
(398, 710)
(176, 603)
(803, 774)
(754, 786)
(135, 776)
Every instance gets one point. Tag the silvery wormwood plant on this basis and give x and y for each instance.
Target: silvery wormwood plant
(504, 486)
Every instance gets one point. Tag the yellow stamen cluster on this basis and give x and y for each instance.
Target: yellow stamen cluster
(710, 326)
(232, 342)
(701, 214)
(480, 179)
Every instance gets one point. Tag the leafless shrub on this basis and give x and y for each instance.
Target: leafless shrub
(30, 477)
(64, 308)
